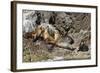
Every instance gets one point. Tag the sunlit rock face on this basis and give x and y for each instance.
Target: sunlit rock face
(29, 20)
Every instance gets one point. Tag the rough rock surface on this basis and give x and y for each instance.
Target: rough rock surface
(75, 25)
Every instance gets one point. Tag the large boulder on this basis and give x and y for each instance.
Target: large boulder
(83, 47)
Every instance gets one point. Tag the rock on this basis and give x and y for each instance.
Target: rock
(58, 58)
(83, 47)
